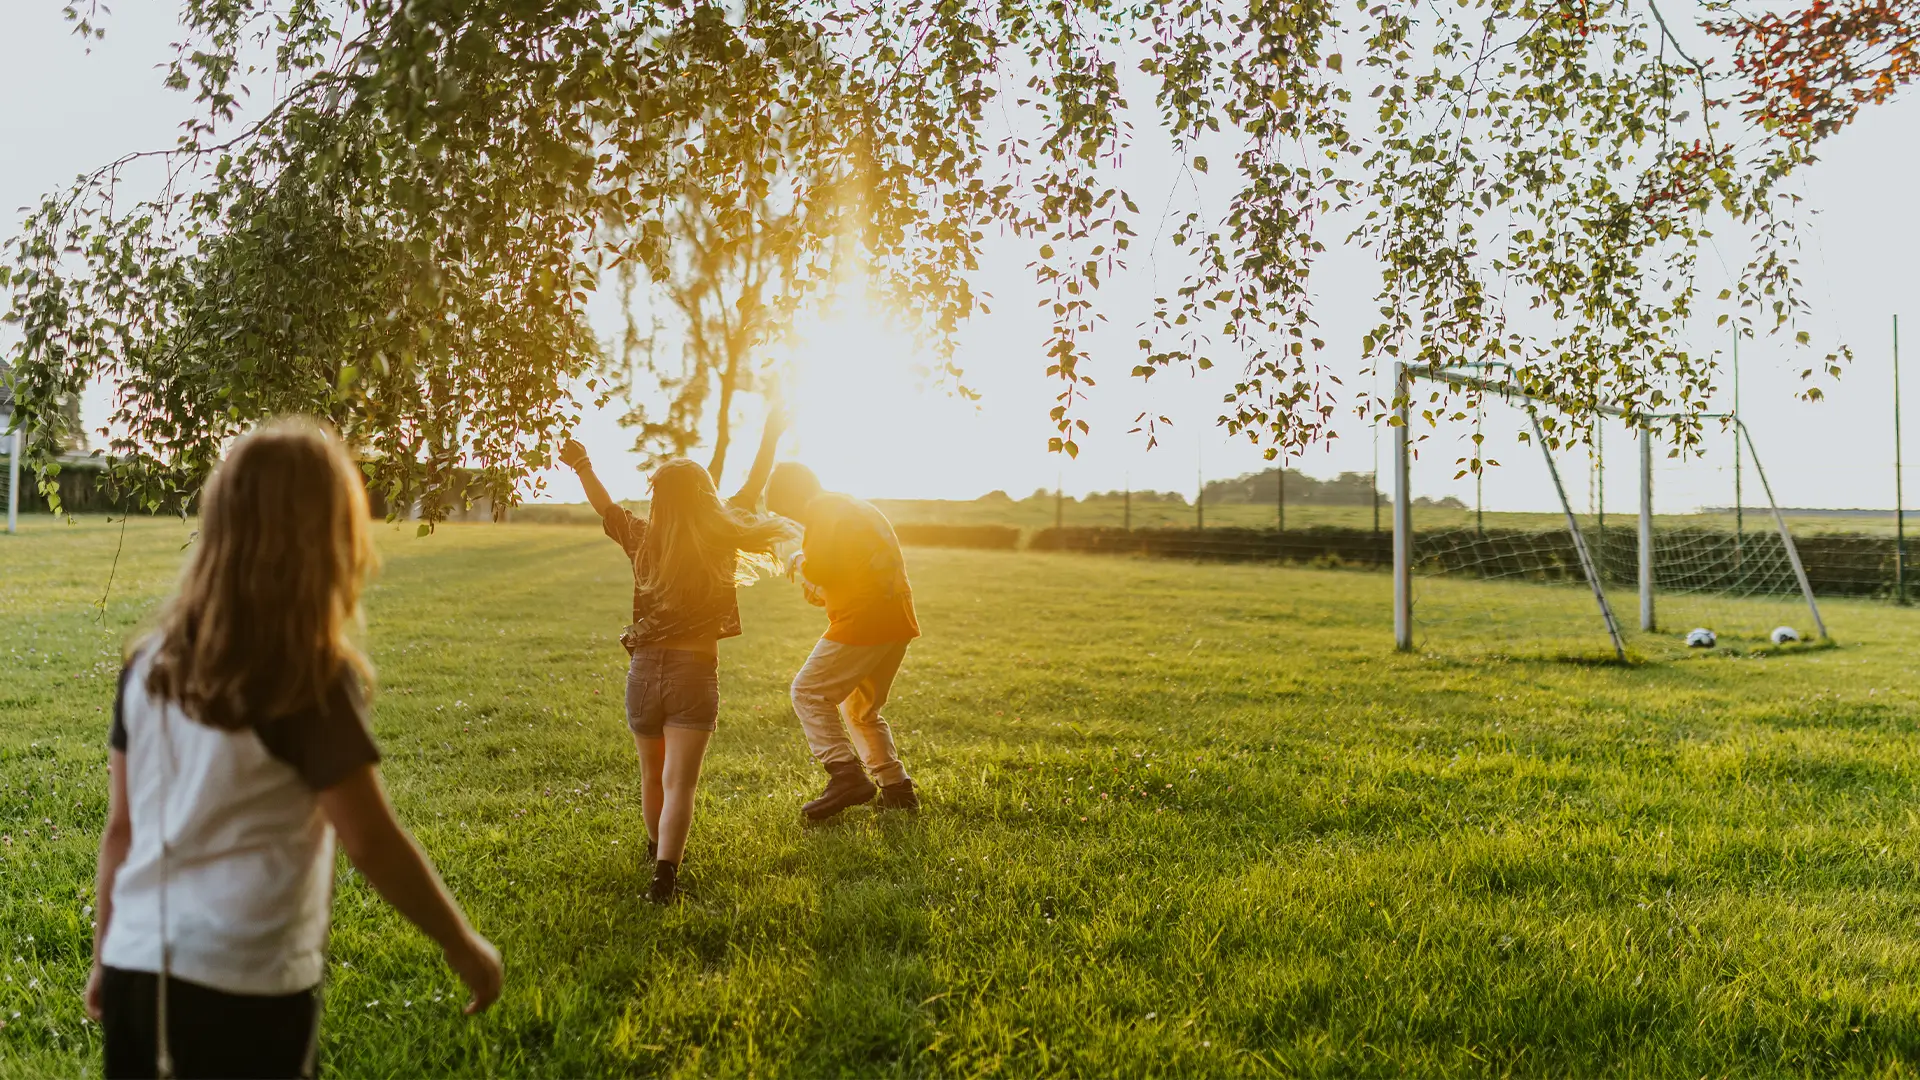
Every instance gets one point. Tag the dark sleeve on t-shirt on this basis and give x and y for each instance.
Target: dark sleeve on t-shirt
(117, 735)
(624, 527)
(326, 743)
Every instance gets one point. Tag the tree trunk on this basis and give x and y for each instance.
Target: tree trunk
(723, 427)
(736, 339)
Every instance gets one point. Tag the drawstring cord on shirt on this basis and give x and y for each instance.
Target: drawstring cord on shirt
(163, 1049)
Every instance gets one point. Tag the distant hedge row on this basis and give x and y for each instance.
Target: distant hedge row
(1321, 544)
(994, 537)
(1842, 564)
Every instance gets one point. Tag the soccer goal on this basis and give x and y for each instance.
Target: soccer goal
(1527, 557)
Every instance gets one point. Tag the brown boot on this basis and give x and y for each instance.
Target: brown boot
(847, 785)
(900, 796)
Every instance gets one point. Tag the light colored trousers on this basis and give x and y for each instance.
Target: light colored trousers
(843, 686)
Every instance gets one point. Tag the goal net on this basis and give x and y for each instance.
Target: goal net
(1540, 553)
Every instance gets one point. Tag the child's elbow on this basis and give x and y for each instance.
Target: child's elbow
(118, 834)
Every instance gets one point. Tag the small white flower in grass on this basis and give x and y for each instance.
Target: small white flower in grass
(1153, 1016)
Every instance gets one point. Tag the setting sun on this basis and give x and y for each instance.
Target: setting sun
(870, 414)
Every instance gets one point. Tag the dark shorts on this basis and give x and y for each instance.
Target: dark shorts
(209, 1032)
(672, 688)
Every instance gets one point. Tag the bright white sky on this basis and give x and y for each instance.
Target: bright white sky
(864, 422)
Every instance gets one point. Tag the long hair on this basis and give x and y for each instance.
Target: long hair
(696, 543)
(258, 629)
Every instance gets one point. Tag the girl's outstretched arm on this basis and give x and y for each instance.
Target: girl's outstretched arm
(383, 852)
(748, 497)
(114, 843)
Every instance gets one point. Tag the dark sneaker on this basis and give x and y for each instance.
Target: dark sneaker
(900, 796)
(847, 785)
(666, 883)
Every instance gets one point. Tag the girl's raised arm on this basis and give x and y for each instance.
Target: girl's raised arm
(574, 456)
(748, 497)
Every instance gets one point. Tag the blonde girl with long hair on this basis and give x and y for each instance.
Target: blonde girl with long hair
(239, 753)
(688, 555)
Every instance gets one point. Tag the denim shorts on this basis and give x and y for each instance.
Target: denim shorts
(672, 688)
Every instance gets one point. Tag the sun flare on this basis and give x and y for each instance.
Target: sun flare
(869, 414)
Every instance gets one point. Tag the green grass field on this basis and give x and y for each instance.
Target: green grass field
(1182, 820)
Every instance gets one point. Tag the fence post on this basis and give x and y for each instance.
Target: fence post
(13, 481)
(1373, 481)
(1199, 489)
(1479, 474)
(1899, 495)
(1600, 487)
(1647, 622)
(1402, 513)
(1739, 499)
(1281, 482)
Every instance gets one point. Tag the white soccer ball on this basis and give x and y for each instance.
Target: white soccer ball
(1701, 638)
(1783, 634)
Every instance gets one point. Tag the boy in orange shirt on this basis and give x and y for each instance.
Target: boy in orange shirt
(850, 564)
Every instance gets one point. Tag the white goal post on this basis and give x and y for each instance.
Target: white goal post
(1483, 378)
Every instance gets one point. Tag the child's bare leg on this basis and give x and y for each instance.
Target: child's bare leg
(653, 756)
(680, 777)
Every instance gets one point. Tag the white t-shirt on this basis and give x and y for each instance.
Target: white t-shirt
(247, 871)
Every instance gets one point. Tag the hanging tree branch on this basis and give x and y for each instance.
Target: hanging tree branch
(406, 240)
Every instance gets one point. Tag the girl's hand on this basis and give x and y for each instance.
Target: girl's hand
(93, 992)
(778, 418)
(573, 455)
(477, 963)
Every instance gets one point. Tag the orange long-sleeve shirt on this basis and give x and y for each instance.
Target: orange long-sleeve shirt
(854, 558)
